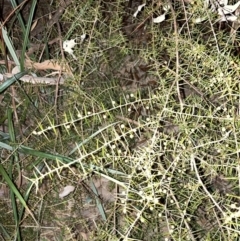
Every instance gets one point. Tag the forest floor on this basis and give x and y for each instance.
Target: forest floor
(125, 123)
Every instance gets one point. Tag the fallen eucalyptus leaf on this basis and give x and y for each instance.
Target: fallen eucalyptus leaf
(34, 25)
(66, 191)
(47, 64)
(16, 69)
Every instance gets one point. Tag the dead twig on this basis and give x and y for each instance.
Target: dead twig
(177, 80)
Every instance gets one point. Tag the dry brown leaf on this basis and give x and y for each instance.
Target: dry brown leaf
(66, 191)
(47, 64)
(103, 186)
(34, 25)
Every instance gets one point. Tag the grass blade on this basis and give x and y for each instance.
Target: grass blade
(10, 81)
(6, 146)
(99, 204)
(15, 190)
(19, 15)
(14, 159)
(9, 44)
(4, 232)
(26, 34)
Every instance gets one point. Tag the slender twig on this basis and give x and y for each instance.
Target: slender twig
(177, 55)
(13, 11)
(214, 34)
(187, 19)
(193, 163)
(15, 109)
(63, 57)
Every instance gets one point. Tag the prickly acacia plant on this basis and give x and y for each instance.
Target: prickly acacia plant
(145, 130)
